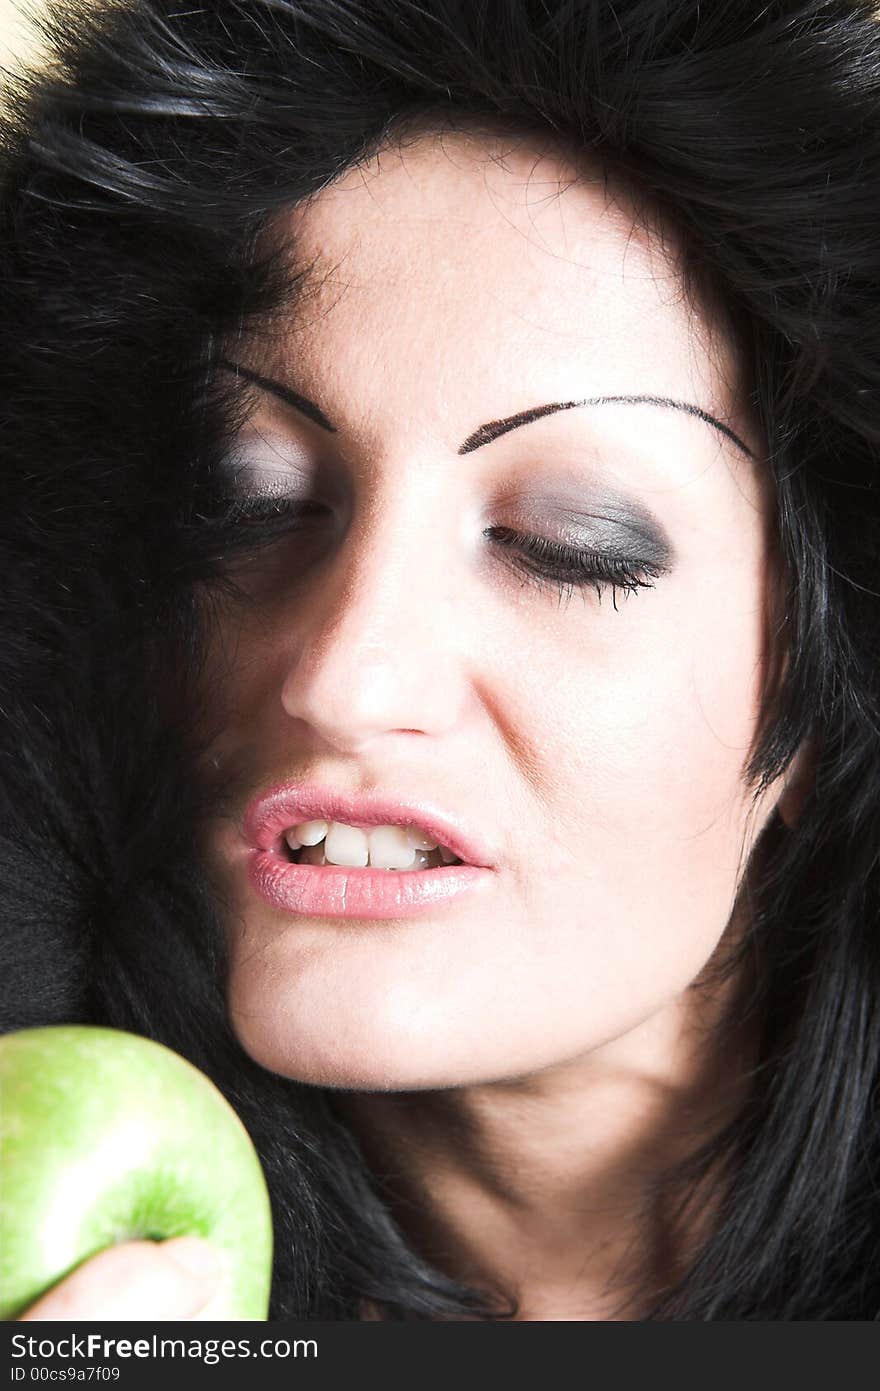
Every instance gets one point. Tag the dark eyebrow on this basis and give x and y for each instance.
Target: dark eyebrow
(284, 393)
(495, 428)
(486, 433)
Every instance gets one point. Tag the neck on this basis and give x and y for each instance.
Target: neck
(548, 1188)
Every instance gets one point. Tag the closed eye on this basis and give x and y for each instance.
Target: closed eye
(546, 563)
(566, 568)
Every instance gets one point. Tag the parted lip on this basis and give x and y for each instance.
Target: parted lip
(267, 817)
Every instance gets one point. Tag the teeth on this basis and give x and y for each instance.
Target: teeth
(383, 847)
(424, 859)
(307, 833)
(345, 845)
(419, 839)
(390, 848)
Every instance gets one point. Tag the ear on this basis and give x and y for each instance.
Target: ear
(797, 782)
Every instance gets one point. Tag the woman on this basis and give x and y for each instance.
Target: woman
(443, 432)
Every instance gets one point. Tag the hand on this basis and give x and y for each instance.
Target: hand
(144, 1280)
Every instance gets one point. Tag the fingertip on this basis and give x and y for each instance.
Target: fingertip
(199, 1260)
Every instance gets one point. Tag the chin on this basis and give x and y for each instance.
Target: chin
(348, 1075)
(333, 1067)
(385, 1061)
(358, 1062)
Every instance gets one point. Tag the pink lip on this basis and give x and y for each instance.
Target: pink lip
(340, 891)
(268, 817)
(335, 891)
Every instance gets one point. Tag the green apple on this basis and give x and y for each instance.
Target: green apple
(109, 1137)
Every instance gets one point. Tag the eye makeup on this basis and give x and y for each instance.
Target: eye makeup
(565, 568)
(544, 563)
(568, 530)
(584, 513)
(265, 465)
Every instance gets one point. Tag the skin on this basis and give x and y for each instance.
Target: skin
(521, 1065)
(137, 1281)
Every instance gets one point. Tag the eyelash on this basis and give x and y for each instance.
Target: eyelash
(549, 564)
(566, 568)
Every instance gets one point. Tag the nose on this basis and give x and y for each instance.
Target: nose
(377, 635)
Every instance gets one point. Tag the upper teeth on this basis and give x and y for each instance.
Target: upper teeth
(384, 847)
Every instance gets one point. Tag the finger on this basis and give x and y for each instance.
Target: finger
(136, 1280)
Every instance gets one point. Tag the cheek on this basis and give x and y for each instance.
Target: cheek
(648, 725)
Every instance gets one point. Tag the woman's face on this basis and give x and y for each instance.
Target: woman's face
(595, 741)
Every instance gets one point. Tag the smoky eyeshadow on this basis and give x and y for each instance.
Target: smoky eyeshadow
(600, 521)
(264, 466)
(572, 510)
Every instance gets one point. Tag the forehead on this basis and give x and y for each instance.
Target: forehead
(499, 251)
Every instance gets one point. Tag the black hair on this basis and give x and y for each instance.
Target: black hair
(141, 166)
